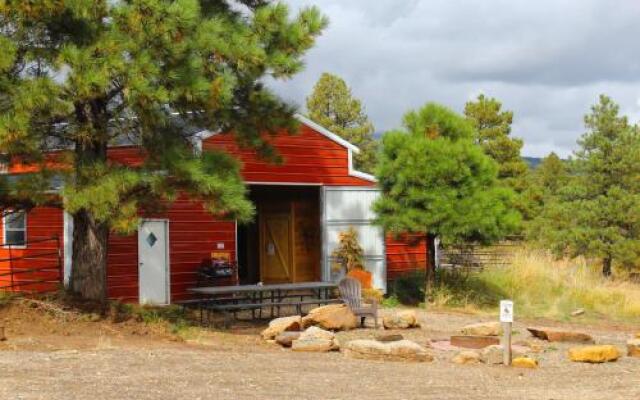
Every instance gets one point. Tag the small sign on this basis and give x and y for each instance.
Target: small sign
(506, 311)
(220, 245)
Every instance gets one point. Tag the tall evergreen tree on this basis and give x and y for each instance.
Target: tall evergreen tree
(597, 213)
(493, 127)
(543, 184)
(435, 179)
(332, 105)
(77, 76)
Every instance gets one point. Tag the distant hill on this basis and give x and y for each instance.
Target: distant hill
(532, 161)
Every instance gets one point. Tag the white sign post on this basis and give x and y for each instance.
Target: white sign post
(506, 318)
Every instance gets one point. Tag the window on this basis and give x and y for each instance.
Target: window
(15, 228)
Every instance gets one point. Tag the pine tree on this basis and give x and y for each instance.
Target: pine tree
(597, 213)
(543, 184)
(77, 76)
(493, 126)
(435, 179)
(332, 105)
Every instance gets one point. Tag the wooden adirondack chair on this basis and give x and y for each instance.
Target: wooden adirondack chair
(351, 295)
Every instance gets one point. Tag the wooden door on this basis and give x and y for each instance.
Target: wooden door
(276, 258)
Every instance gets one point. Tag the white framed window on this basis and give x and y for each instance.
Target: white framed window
(14, 229)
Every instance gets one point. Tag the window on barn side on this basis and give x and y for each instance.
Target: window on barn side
(14, 232)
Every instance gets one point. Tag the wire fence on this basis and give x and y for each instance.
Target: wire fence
(475, 257)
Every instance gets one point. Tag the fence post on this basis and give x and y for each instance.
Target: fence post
(10, 265)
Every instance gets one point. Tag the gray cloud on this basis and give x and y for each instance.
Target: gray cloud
(546, 60)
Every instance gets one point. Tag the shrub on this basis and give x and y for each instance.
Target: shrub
(409, 288)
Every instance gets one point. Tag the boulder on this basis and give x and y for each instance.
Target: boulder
(466, 357)
(401, 350)
(559, 335)
(314, 332)
(633, 348)
(335, 317)
(482, 329)
(494, 354)
(524, 362)
(594, 354)
(315, 339)
(285, 338)
(403, 319)
(279, 325)
(474, 342)
(312, 345)
(388, 337)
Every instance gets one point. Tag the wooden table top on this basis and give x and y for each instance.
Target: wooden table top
(263, 288)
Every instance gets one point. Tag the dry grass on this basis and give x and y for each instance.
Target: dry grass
(544, 287)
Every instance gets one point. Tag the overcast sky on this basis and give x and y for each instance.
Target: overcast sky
(546, 60)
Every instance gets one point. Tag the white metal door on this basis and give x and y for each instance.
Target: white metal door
(153, 257)
(350, 206)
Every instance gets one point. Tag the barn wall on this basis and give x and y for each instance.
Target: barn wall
(308, 157)
(405, 254)
(40, 253)
(193, 235)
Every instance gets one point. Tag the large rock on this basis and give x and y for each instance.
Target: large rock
(633, 348)
(286, 338)
(388, 337)
(482, 329)
(474, 342)
(401, 350)
(559, 335)
(466, 357)
(279, 325)
(524, 362)
(335, 317)
(594, 354)
(494, 354)
(315, 339)
(403, 319)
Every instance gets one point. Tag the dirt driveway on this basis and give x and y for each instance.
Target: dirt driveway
(237, 365)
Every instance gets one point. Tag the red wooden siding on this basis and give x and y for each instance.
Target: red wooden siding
(40, 253)
(193, 235)
(308, 157)
(405, 254)
(132, 156)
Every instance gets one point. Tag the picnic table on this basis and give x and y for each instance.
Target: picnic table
(232, 299)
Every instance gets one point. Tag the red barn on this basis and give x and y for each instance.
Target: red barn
(302, 205)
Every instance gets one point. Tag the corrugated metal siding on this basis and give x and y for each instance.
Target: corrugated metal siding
(308, 157)
(42, 224)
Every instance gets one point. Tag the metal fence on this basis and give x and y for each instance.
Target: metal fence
(34, 266)
(475, 257)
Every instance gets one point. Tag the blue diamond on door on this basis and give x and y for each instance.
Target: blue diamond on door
(151, 239)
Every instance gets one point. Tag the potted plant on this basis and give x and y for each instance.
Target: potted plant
(350, 257)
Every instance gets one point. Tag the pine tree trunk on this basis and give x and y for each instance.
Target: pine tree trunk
(606, 266)
(430, 260)
(89, 271)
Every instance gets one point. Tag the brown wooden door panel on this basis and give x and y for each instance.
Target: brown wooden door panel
(276, 248)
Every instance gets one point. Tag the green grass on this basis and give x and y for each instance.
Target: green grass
(541, 286)
(173, 316)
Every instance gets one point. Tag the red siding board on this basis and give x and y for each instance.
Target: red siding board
(307, 157)
(42, 223)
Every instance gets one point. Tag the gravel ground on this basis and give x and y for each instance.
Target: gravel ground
(237, 365)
